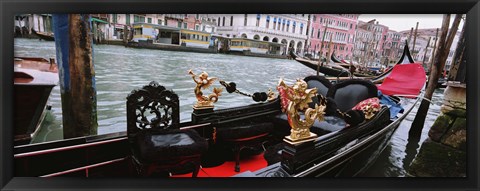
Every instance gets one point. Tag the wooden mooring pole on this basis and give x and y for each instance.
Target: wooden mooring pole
(440, 58)
(73, 42)
(414, 41)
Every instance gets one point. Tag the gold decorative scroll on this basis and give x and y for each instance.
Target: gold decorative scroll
(299, 97)
(204, 82)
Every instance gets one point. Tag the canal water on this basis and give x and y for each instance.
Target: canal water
(119, 70)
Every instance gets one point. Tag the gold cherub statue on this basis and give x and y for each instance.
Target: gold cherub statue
(204, 82)
(299, 96)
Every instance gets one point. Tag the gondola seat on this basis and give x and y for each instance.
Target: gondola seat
(349, 93)
(157, 143)
(242, 136)
(321, 83)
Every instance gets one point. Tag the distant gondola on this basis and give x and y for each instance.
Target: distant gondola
(44, 36)
(332, 69)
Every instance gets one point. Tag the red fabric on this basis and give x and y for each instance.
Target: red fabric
(283, 97)
(405, 80)
(373, 102)
(252, 163)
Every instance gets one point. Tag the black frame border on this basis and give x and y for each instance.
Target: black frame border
(8, 8)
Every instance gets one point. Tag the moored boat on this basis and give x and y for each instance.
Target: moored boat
(34, 79)
(44, 36)
(328, 154)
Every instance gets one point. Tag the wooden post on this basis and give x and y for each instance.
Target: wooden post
(414, 40)
(320, 51)
(410, 36)
(434, 51)
(459, 60)
(441, 57)
(425, 53)
(125, 35)
(77, 75)
(329, 54)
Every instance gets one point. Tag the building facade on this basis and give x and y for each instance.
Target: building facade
(288, 29)
(370, 42)
(341, 32)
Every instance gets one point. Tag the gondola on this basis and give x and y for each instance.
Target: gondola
(248, 141)
(34, 79)
(331, 69)
(44, 36)
(338, 72)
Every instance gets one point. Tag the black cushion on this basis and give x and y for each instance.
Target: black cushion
(246, 131)
(348, 93)
(322, 85)
(164, 145)
(330, 124)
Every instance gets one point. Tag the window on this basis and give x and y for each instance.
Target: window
(314, 18)
(258, 20)
(293, 27)
(279, 23)
(185, 25)
(149, 20)
(196, 16)
(137, 18)
(245, 20)
(166, 22)
(318, 34)
(218, 21)
(159, 21)
(231, 21)
(268, 22)
(128, 19)
(274, 23)
(114, 18)
(179, 24)
(301, 28)
(223, 23)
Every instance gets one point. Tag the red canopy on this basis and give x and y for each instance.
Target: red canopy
(405, 80)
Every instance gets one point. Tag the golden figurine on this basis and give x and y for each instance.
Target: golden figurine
(298, 98)
(271, 95)
(204, 82)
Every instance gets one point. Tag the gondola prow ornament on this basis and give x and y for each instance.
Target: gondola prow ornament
(295, 99)
(204, 82)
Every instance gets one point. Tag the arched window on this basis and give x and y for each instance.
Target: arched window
(293, 26)
(301, 28)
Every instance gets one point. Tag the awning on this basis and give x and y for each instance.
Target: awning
(98, 20)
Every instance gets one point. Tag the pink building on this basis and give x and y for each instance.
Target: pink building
(392, 45)
(341, 28)
(378, 36)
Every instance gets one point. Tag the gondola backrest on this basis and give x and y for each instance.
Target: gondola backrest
(348, 93)
(322, 85)
(152, 107)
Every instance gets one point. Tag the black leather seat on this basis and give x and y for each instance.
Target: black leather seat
(243, 136)
(349, 93)
(157, 143)
(322, 85)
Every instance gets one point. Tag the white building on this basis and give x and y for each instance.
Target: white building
(288, 29)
